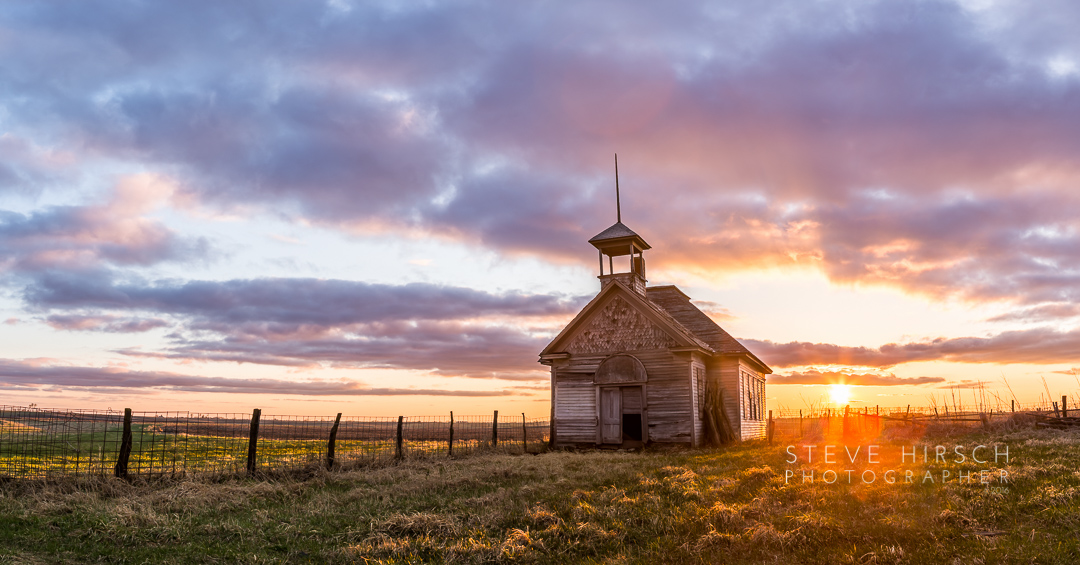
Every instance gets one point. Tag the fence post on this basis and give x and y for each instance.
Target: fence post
(400, 437)
(450, 450)
(125, 448)
(253, 441)
(1013, 401)
(495, 430)
(769, 428)
(845, 428)
(524, 435)
(330, 444)
(1064, 406)
(800, 423)
(1056, 412)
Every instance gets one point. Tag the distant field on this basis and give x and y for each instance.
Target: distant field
(55, 444)
(701, 506)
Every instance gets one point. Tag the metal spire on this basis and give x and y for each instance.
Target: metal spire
(618, 207)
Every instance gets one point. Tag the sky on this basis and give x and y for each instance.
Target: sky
(383, 208)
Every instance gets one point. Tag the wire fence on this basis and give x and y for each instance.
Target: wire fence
(1071, 402)
(873, 421)
(43, 444)
(40, 443)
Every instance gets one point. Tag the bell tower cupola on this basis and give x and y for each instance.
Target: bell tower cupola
(620, 241)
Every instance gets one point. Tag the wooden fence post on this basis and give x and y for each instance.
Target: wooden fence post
(1013, 401)
(1064, 406)
(495, 430)
(800, 423)
(845, 428)
(121, 469)
(769, 428)
(1056, 412)
(450, 447)
(253, 441)
(524, 434)
(400, 437)
(330, 444)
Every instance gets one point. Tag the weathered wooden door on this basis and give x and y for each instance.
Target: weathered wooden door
(611, 415)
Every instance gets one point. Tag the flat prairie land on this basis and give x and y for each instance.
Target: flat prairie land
(742, 504)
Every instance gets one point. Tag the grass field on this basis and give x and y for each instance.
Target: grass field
(700, 506)
(50, 444)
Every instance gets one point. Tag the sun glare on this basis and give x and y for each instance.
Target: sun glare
(840, 394)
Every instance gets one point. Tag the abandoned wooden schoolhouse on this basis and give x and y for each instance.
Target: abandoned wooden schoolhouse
(644, 365)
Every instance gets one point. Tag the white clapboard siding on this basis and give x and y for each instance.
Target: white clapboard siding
(575, 413)
(668, 397)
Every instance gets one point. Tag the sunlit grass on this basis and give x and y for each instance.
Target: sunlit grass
(26, 453)
(702, 506)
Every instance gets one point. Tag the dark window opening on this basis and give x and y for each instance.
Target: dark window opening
(631, 425)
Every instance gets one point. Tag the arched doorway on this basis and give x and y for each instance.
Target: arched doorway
(620, 388)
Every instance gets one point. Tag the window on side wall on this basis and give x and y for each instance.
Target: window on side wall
(751, 397)
(761, 400)
(699, 382)
(754, 398)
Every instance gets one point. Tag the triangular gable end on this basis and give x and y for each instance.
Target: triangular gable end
(617, 318)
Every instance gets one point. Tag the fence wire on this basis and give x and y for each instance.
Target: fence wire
(868, 422)
(39, 443)
(42, 444)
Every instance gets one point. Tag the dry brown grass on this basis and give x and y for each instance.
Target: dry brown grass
(728, 506)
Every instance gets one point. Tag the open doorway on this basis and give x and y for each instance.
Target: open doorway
(631, 427)
(622, 420)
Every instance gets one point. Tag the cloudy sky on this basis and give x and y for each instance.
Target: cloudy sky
(384, 207)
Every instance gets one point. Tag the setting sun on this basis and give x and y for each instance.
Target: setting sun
(840, 394)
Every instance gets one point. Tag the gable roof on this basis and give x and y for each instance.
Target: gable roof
(658, 315)
(616, 231)
(676, 304)
(612, 240)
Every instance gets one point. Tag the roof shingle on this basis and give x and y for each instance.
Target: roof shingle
(671, 300)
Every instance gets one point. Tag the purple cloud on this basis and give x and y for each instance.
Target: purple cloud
(863, 379)
(1050, 311)
(1037, 345)
(311, 322)
(95, 236)
(110, 324)
(501, 352)
(269, 304)
(21, 375)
